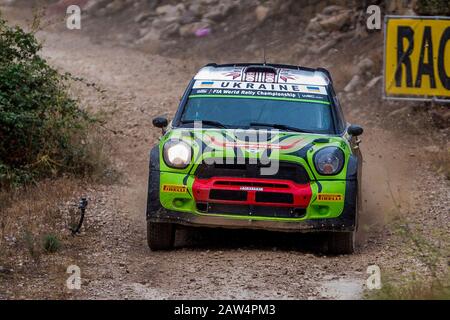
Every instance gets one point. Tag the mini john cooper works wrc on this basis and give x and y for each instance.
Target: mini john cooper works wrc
(256, 146)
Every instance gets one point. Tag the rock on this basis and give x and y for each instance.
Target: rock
(314, 26)
(170, 30)
(328, 45)
(336, 22)
(94, 5)
(188, 17)
(432, 149)
(261, 13)
(365, 65)
(219, 12)
(171, 11)
(373, 82)
(115, 6)
(333, 9)
(197, 9)
(400, 112)
(142, 17)
(353, 84)
(188, 30)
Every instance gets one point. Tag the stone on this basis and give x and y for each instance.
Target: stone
(372, 83)
(353, 84)
(261, 13)
(218, 12)
(170, 30)
(365, 65)
(336, 22)
(314, 26)
(188, 30)
(332, 9)
(432, 149)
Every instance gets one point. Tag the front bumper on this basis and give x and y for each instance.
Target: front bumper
(181, 207)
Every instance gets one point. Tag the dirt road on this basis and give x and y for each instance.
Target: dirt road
(112, 252)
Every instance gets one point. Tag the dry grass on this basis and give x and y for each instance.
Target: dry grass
(35, 242)
(30, 213)
(414, 289)
(441, 162)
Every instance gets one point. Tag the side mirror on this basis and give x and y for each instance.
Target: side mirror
(160, 122)
(355, 130)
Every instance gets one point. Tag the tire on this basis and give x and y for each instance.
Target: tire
(341, 242)
(160, 236)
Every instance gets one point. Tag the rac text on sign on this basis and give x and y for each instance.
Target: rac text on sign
(417, 58)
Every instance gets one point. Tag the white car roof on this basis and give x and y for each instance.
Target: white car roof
(283, 75)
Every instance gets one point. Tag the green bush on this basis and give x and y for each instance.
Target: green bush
(433, 7)
(51, 243)
(43, 132)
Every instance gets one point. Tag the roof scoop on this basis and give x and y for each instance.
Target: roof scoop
(262, 69)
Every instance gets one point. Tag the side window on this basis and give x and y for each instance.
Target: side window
(341, 123)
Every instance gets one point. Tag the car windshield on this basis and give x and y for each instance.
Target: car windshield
(253, 112)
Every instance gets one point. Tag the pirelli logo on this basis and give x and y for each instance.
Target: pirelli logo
(174, 188)
(329, 197)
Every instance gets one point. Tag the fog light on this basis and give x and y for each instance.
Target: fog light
(178, 202)
(323, 210)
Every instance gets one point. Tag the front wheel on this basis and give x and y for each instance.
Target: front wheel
(342, 242)
(160, 236)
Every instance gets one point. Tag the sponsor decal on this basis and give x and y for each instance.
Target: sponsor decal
(313, 89)
(251, 189)
(174, 188)
(207, 83)
(259, 86)
(329, 197)
(256, 146)
(257, 90)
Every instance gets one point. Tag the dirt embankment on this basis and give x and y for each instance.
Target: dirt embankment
(398, 178)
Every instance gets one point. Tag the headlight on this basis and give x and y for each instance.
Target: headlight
(177, 154)
(329, 161)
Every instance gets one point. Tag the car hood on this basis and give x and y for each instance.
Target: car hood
(248, 143)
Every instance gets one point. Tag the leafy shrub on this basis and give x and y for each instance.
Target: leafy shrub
(43, 132)
(433, 7)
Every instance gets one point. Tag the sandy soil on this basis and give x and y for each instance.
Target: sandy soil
(112, 252)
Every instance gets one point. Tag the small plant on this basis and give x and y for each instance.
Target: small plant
(30, 243)
(51, 243)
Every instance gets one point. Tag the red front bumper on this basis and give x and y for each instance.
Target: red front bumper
(250, 191)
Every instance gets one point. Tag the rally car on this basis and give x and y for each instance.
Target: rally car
(256, 146)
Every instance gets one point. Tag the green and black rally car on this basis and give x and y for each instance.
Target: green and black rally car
(258, 146)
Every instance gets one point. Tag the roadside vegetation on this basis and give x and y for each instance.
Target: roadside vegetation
(50, 149)
(432, 282)
(43, 132)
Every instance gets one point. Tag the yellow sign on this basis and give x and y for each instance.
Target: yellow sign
(417, 57)
(174, 188)
(329, 197)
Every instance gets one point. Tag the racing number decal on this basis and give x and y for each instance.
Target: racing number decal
(329, 197)
(174, 188)
(417, 57)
